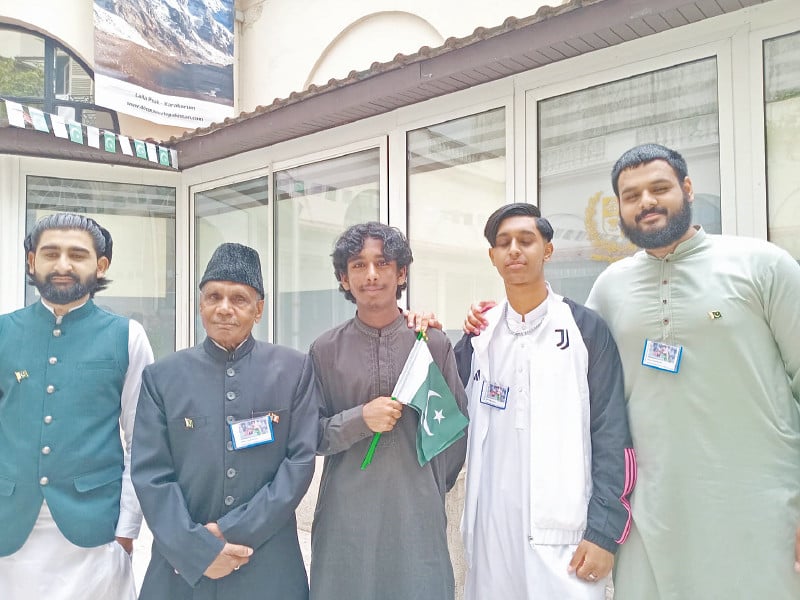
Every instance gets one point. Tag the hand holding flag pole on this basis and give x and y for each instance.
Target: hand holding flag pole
(377, 436)
(371, 450)
(422, 386)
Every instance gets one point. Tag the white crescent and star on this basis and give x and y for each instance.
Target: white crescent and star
(438, 416)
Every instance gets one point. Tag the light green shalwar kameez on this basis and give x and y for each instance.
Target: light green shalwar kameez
(717, 501)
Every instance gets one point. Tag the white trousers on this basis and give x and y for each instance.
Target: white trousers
(540, 573)
(50, 567)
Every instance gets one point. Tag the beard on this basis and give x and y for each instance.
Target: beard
(676, 226)
(64, 295)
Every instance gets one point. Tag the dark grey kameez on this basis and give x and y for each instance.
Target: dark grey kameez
(379, 534)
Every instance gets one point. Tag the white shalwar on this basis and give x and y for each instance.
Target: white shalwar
(100, 573)
(50, 567)
(519, 570)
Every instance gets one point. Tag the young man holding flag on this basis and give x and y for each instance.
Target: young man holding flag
(380, 527)
(550, 459)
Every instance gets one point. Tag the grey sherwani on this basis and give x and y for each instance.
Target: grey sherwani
(186, 472)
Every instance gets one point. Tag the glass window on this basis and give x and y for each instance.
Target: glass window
(782, 117)
(456, 179)
(233, 213)
(36, 71)
(583, 133)
(314, 204)
(141, 220)
(21, 65)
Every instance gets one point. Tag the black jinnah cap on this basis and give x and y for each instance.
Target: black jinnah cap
(237, 263)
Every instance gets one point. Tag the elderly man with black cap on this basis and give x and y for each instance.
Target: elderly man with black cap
(223, 452)
(69, 378)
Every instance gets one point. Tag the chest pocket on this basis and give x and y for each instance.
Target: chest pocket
(97, 365)
(98, 386)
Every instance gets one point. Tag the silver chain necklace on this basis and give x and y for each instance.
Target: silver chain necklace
(526, 329)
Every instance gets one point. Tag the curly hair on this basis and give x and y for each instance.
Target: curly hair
(351, 242)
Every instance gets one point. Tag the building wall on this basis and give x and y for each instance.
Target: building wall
(285, 45)
(282, 46)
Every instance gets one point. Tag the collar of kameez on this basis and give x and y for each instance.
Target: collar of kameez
(76, 314)
(496, 314)
(222, 355)
(684, 248)
(392, 327)
(514, 323)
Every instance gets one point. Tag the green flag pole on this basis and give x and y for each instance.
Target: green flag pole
(377, 436)
(371, 452)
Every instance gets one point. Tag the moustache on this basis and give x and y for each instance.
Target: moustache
(653, 211)
(52, 276)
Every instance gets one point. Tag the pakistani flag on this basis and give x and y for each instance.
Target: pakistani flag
(422, 386)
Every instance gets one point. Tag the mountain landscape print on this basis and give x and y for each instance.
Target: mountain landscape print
(175, 48)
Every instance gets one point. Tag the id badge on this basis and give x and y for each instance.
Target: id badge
(662, 356)
(494, 395)
(251, 432)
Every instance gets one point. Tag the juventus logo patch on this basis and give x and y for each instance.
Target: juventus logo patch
(563, 342)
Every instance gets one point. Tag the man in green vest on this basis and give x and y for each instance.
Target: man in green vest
(70, 374)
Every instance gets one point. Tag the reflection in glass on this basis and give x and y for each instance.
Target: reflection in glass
(315, 203)
(456, 179)
(21, 65)
(782, 117)
(141, 220)
(238, 213)
(581, 135)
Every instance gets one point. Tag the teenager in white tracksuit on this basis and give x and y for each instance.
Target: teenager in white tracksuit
(549, 463)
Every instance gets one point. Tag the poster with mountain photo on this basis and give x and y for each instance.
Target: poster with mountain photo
(166, 61)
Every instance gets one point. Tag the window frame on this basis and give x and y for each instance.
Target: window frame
(193, 292)
(588, 78)
(14, 288)
(758, 121)
(50, 103)
(381, 143)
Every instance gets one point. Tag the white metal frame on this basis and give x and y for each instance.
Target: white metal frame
(188, 193)
(12, 217)
(398, 201)
(719, 50)
(19, 168)
(381, 143)
(739, 91)
(757, 134)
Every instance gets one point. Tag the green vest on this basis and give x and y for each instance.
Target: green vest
(60, 390)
